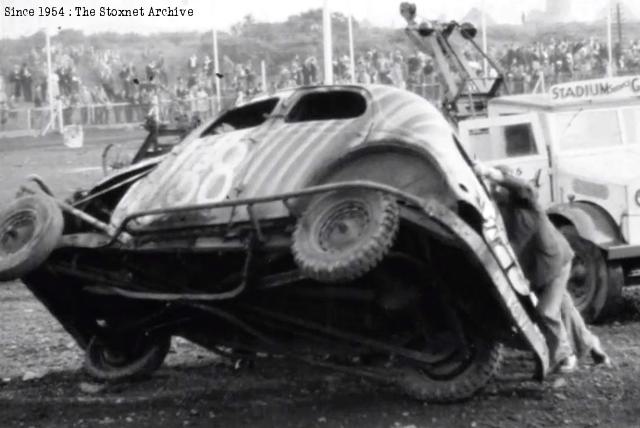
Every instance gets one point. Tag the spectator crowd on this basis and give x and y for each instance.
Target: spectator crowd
(89, 83)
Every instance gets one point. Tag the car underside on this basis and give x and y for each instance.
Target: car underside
(402, 309)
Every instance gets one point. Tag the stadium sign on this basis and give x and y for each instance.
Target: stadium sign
(615, 87)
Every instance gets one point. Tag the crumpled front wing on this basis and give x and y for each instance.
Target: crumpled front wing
(505, 283)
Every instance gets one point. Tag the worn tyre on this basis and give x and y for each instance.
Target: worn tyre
(483, 363)
(138, 359)
(595, 287)
(116, 156)
(615, 283)
(30, 229)
(343, 235)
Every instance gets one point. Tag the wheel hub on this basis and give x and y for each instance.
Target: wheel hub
(344, 226)
(114, 357)
(17, 231)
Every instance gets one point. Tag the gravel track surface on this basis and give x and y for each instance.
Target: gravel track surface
(42, 383)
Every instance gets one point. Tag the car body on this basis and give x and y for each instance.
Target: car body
(311, 219)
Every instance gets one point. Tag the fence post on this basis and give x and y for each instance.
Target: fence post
(60, 118)
(29, 119)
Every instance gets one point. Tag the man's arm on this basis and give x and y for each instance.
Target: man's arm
(518, 186)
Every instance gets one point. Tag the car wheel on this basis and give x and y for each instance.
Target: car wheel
(30, 229)
(595, 287)
(457, 372)
(343, 235)
(115, 157)
(126, 360)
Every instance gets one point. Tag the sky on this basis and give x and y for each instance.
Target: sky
(222, 14)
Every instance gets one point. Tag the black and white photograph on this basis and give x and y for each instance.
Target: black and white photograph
(319, 213)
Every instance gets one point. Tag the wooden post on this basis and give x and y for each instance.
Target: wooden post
(216, 65)
(485, 65)
(351, 50)
(49, 75)
(328, 48)
(610, 38)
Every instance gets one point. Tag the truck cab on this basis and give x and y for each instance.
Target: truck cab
(580, 144)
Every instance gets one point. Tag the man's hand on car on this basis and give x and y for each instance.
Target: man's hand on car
(488, 172)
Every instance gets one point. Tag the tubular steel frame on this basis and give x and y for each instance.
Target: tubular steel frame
(250, 203)
(477, 243)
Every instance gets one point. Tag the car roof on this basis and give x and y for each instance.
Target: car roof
(283, 94)
(287, 92)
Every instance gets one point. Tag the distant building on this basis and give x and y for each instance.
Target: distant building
(559, 10)
(474, 16)
(556, 11)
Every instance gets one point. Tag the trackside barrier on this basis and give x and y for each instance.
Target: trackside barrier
(37, 120)
(33, 121)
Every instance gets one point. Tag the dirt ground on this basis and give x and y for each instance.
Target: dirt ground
(42, 383)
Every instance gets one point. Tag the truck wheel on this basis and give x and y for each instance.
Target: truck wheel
(457, 376)
(343, 235)
(30, 229)
(595, 288)
(615, 282)
(125, 361)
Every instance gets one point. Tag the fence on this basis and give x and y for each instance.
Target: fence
(430, 91)
(36, 120)
(31, 121)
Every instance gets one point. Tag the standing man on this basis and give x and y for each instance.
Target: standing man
(16, 82)
(546, 258)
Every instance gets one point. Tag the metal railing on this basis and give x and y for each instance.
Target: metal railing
(430, 91)
(34, 120)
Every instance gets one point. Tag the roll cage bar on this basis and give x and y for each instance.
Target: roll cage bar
(429, 213)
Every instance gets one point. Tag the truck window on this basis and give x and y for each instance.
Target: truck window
(501, 142)
(519, 140)
(631, 123)
(588, 129)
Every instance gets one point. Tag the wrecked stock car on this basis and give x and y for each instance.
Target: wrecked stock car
(338, 220)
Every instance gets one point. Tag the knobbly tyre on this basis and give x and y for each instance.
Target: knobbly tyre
(342, 220)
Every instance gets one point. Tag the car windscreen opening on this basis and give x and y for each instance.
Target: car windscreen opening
(243, 117)
(333, 105)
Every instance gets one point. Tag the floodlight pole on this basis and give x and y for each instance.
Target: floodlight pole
(610, 38)
(485, 64)
(49, 75)
(328, 49)
(263, 71)
(619, 21)
(216, 67)
(352, 61)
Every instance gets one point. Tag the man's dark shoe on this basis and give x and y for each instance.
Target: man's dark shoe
(599, 357)
(567, 365)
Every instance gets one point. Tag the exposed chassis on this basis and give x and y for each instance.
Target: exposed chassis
(429, 214)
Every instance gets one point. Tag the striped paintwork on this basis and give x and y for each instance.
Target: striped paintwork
(282, 157)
